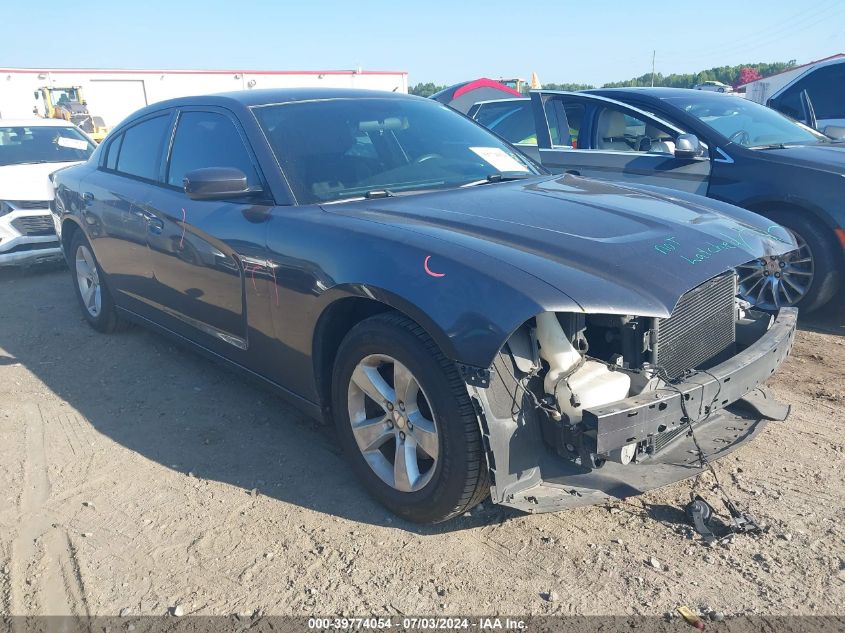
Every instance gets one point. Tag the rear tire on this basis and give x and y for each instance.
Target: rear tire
(828, 259)
(93, 294)
(448, 466)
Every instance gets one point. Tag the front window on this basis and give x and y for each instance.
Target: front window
(336, 149)
(618, 130)
(747, 123)
(207, 139)
(21, 145)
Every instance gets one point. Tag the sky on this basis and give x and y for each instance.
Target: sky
(439, 41)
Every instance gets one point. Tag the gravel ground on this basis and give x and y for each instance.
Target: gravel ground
(136, 476)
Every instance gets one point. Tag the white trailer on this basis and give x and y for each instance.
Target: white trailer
(114, 94)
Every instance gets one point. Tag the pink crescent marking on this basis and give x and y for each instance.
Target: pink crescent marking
(429, 271)
(251, 270)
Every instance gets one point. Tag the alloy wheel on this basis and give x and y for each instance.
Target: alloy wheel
(392, 423)
(776, 281)
(89, 281)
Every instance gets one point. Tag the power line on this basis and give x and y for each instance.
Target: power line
(799, 21)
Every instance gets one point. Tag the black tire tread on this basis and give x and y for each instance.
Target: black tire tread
(476, 487)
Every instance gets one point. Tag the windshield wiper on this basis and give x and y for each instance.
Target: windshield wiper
(497, 177)
(771, 146)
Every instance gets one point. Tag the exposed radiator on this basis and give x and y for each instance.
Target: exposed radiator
(701, 331)
(34, 225)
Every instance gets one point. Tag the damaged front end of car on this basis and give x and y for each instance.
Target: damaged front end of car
(583, 408)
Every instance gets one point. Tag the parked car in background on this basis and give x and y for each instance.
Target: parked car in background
(713, 86)
(816, 97)
(31, 150)
(721, 146)
(373, 256)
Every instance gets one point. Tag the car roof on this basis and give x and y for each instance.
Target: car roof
(35, 123)
(661, 93)
(240, 99)
(272, 96)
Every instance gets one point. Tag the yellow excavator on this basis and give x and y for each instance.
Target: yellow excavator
(68, 104)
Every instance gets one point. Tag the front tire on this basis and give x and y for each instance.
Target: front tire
(405, 421)
(827, 264)
(93, 295)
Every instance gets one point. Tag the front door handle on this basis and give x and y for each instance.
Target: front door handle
(154, 225)
(88, 198)
(574, 172)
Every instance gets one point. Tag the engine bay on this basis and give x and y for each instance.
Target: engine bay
(572, 364)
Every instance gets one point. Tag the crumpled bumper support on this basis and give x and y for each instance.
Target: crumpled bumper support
(530, 476)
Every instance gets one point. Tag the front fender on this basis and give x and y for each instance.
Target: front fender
(469, 314)
(467, 301)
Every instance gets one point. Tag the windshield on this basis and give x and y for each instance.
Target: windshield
(42, 144)
(746, 122)
(336, 149)
(64, 95)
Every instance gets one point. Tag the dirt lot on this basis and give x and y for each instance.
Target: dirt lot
(137, 476)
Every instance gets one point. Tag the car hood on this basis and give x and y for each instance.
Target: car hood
(612, 249)
(826, 157)
(28, 182)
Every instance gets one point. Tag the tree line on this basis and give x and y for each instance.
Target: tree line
(731, 75)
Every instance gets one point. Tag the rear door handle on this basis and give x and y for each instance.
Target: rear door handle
(88, 198)
(574, 172)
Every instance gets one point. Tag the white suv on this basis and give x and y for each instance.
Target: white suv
(30, 150)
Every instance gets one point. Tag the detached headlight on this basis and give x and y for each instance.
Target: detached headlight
(5, 208)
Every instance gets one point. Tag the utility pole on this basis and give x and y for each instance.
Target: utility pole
(653, 55)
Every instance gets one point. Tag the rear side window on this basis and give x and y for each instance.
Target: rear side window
(140, 149)
(208, 139)
(512, 120)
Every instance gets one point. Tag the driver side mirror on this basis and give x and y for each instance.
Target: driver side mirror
(217, 183)
(688, 147)
(836, 132)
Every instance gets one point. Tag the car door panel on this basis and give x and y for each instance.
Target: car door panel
(691, 176)
(197, 246)
(115, 221)
(634, 166)
(197, 269)
(115, 215)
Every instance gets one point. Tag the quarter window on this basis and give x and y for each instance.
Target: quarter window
(140, 149)
(114, 151)
(574, 117)
(208, 139)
